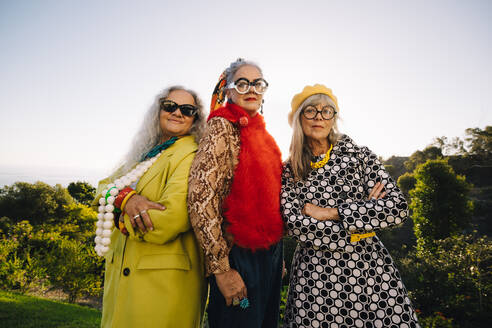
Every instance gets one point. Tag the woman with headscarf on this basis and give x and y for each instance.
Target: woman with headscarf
(154, 267)
(332, 202)
(234, 204)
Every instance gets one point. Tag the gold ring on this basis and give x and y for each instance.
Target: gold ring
(235, 301)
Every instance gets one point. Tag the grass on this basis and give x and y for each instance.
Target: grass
(17, 310)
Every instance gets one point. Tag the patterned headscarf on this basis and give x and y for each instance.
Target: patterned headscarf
(218, 96)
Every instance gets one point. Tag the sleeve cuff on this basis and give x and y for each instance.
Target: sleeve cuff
(220, 266)
(347, 222)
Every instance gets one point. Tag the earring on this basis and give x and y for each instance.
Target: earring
(261, 108)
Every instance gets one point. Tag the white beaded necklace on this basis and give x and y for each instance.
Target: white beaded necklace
(105, 222)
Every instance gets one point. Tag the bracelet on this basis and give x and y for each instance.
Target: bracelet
(127, 197)
(121, 196)
(121, 226)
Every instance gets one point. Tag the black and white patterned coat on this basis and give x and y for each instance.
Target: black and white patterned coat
(333, 282)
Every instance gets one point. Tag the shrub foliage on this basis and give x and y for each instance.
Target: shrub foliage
(52, 246)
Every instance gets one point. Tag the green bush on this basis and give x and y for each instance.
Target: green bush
(80, 223)
(19, 270)
(75, 268)
(21, 274)
(406, 182)
(54, 244)
(455, 279)
(70, 264)
(283, 302)
(440, 204)
(33, 257)
(438, 320)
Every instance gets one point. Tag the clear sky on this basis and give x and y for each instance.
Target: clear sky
(77, 76)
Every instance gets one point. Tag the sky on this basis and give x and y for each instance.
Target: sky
(76, 77)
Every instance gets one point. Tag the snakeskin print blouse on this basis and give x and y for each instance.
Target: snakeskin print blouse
(210, 180)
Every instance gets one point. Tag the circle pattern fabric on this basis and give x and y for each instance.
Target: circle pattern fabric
(334, 282)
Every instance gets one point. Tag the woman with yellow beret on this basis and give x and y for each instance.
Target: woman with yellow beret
(332, 202)
(154, 266)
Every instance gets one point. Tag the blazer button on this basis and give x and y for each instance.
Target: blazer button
(126, 271)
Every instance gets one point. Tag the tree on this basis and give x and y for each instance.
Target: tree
(476, 142)
(38, 203)
(440, 203)
(83, 192)
(442, 143)
(406, 182)
(479, 142)
(455, 146)
(395, 166)
(421, 156)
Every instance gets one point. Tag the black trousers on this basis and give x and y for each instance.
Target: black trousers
(262, 273)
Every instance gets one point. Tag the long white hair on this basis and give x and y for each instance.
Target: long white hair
(150, 134)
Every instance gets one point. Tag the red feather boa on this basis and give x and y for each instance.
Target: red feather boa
(252, 207)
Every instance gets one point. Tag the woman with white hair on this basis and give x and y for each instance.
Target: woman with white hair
(333, 202)
(154, 267)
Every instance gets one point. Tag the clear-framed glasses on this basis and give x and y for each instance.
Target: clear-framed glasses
(242, 85)
(327, 112)
(170, 106)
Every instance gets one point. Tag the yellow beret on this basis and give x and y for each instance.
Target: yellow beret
(308, 91)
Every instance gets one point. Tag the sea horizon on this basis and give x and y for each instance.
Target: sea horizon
(50, 175)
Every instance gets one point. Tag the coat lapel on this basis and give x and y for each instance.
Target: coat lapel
(159, 165)
(153, 171)
(344, 145)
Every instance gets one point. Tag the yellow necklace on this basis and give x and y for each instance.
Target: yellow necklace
(322, 163)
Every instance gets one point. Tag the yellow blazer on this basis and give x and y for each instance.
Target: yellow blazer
(157, 279)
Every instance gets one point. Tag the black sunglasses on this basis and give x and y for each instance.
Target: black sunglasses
(170, 107)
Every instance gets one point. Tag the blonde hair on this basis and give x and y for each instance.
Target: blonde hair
(300, 152)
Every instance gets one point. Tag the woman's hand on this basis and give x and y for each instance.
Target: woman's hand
(231, 285)
(321, 213)
(137, 207)
(376, 192)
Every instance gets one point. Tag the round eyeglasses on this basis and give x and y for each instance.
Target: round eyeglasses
(170, 107)
(242, 85)
(327, 112)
